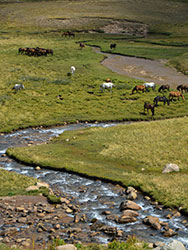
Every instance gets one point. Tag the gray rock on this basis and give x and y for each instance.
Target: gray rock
(176, 245)
(171, 167)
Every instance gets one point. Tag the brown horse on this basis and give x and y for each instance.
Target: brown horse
(164, 87)
(174, 94)
(182, 88)
(139, 88)
(82, 45)
(149, 106)
(68, 33)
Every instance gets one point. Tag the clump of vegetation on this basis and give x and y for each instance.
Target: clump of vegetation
(132, 243)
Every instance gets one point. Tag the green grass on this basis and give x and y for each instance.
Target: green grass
(120, 154)
(45, 78)
(13, 184)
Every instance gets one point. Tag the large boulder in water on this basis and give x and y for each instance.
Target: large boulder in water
(129, 205)
(153, 222)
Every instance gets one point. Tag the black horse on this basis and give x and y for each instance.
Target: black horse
(164, 87)
(182, 88)
(161, 99)
(113, 46)
(148, 106)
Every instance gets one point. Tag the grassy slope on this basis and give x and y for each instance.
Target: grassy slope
(120, 154)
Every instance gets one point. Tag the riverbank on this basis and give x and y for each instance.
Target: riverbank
(122, 154)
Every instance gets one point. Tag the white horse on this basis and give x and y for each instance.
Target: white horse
(73, 70)
(18, 87)
(149, 85)
(106, 85)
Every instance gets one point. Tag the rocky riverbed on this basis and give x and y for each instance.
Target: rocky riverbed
(90, 210)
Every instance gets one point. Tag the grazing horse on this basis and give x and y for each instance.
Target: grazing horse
(161, 99)
(68, 33)
(164, 87)
(174, 94)
(113, 46)
(150, 106)
(73, 70)
(150, 85)
(49, 51)
(18, 87)
(182, 88)
(106, 85)
(139, 88)
(82, 45)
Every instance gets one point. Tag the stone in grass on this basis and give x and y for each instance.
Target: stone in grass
(171, 167)
(66, 247)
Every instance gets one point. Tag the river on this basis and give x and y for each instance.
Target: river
(93, 196)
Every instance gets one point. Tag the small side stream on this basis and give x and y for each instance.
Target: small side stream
(143, 69)
(93, 196)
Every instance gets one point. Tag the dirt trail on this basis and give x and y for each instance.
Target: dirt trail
(144, 69)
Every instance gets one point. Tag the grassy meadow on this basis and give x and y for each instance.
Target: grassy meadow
(133, 154)
(50, 96)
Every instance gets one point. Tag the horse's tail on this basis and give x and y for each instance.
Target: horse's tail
(133, 90)
(159, 90)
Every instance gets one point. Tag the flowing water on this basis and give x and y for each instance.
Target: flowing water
(93, 196)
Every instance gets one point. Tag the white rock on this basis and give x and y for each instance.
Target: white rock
(32, 188)
(66, 247)
(42, 184)
(171, 167)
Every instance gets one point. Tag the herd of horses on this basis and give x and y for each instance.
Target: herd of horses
(35, 51)
(163, 88)
(108, 84)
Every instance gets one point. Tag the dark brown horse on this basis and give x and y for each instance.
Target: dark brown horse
(113, 46)
(139, 88)
(82, 45)
(174, 94)
(160, 99)
(149, 106)
(68, 33)
(164, 87)
(182, 88)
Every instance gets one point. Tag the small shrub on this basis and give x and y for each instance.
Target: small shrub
(54, 199)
